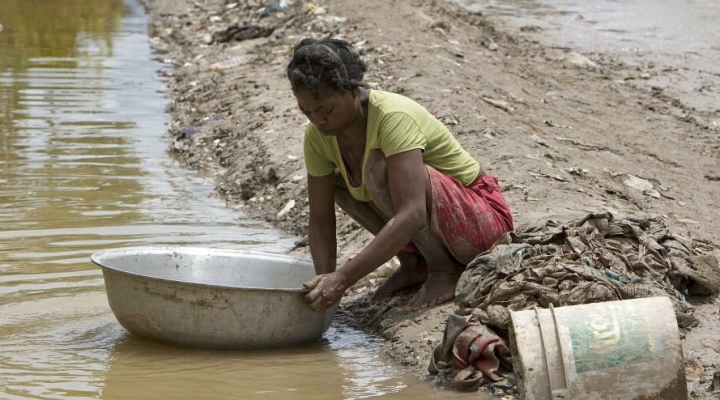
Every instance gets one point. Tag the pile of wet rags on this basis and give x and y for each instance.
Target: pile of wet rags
(593, 259)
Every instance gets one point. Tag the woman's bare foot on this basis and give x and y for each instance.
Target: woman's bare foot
(439, 288)
(412, 272)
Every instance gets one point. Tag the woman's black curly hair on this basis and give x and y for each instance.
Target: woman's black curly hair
(325, 65)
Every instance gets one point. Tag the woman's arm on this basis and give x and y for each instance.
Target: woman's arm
(407, 184)
(407, 180)
(321, 230)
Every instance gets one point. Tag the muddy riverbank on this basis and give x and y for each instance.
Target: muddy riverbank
(566, 133)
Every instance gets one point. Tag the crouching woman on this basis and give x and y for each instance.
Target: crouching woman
(396, 170)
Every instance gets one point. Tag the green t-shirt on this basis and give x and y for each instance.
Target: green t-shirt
(396, 124)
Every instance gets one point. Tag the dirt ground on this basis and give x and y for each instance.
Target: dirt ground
(565, 133)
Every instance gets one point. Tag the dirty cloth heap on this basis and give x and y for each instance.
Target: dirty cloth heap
(593, 259)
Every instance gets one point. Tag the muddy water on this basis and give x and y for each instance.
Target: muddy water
(83, 168)
(674, 44)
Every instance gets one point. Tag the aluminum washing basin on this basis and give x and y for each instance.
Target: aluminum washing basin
(211, 298)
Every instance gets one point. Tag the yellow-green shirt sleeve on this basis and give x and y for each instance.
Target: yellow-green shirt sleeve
(316, 152)
(399, 133)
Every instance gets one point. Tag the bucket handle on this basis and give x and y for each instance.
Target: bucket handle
(560, 392)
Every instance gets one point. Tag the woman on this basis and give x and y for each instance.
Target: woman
(397, 171)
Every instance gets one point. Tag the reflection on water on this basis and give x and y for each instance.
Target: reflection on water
(83, 168)
(344, 367)
(46, 30)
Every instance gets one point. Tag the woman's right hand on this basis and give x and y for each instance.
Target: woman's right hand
(324, 291)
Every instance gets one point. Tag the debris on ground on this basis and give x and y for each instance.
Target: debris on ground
(593, 259)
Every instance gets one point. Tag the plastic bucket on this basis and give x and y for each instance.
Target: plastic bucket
(625, 350)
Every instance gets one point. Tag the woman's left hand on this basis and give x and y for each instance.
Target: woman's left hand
(324, 291)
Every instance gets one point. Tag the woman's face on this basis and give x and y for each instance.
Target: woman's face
(332, 112)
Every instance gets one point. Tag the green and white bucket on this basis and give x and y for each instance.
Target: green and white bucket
(624, 350)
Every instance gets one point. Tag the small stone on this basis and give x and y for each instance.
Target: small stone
(652, 193)
(580, 60)
(289, 206)
(493, 47)
(638, 183)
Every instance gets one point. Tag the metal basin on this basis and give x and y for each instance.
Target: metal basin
(211, 298)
